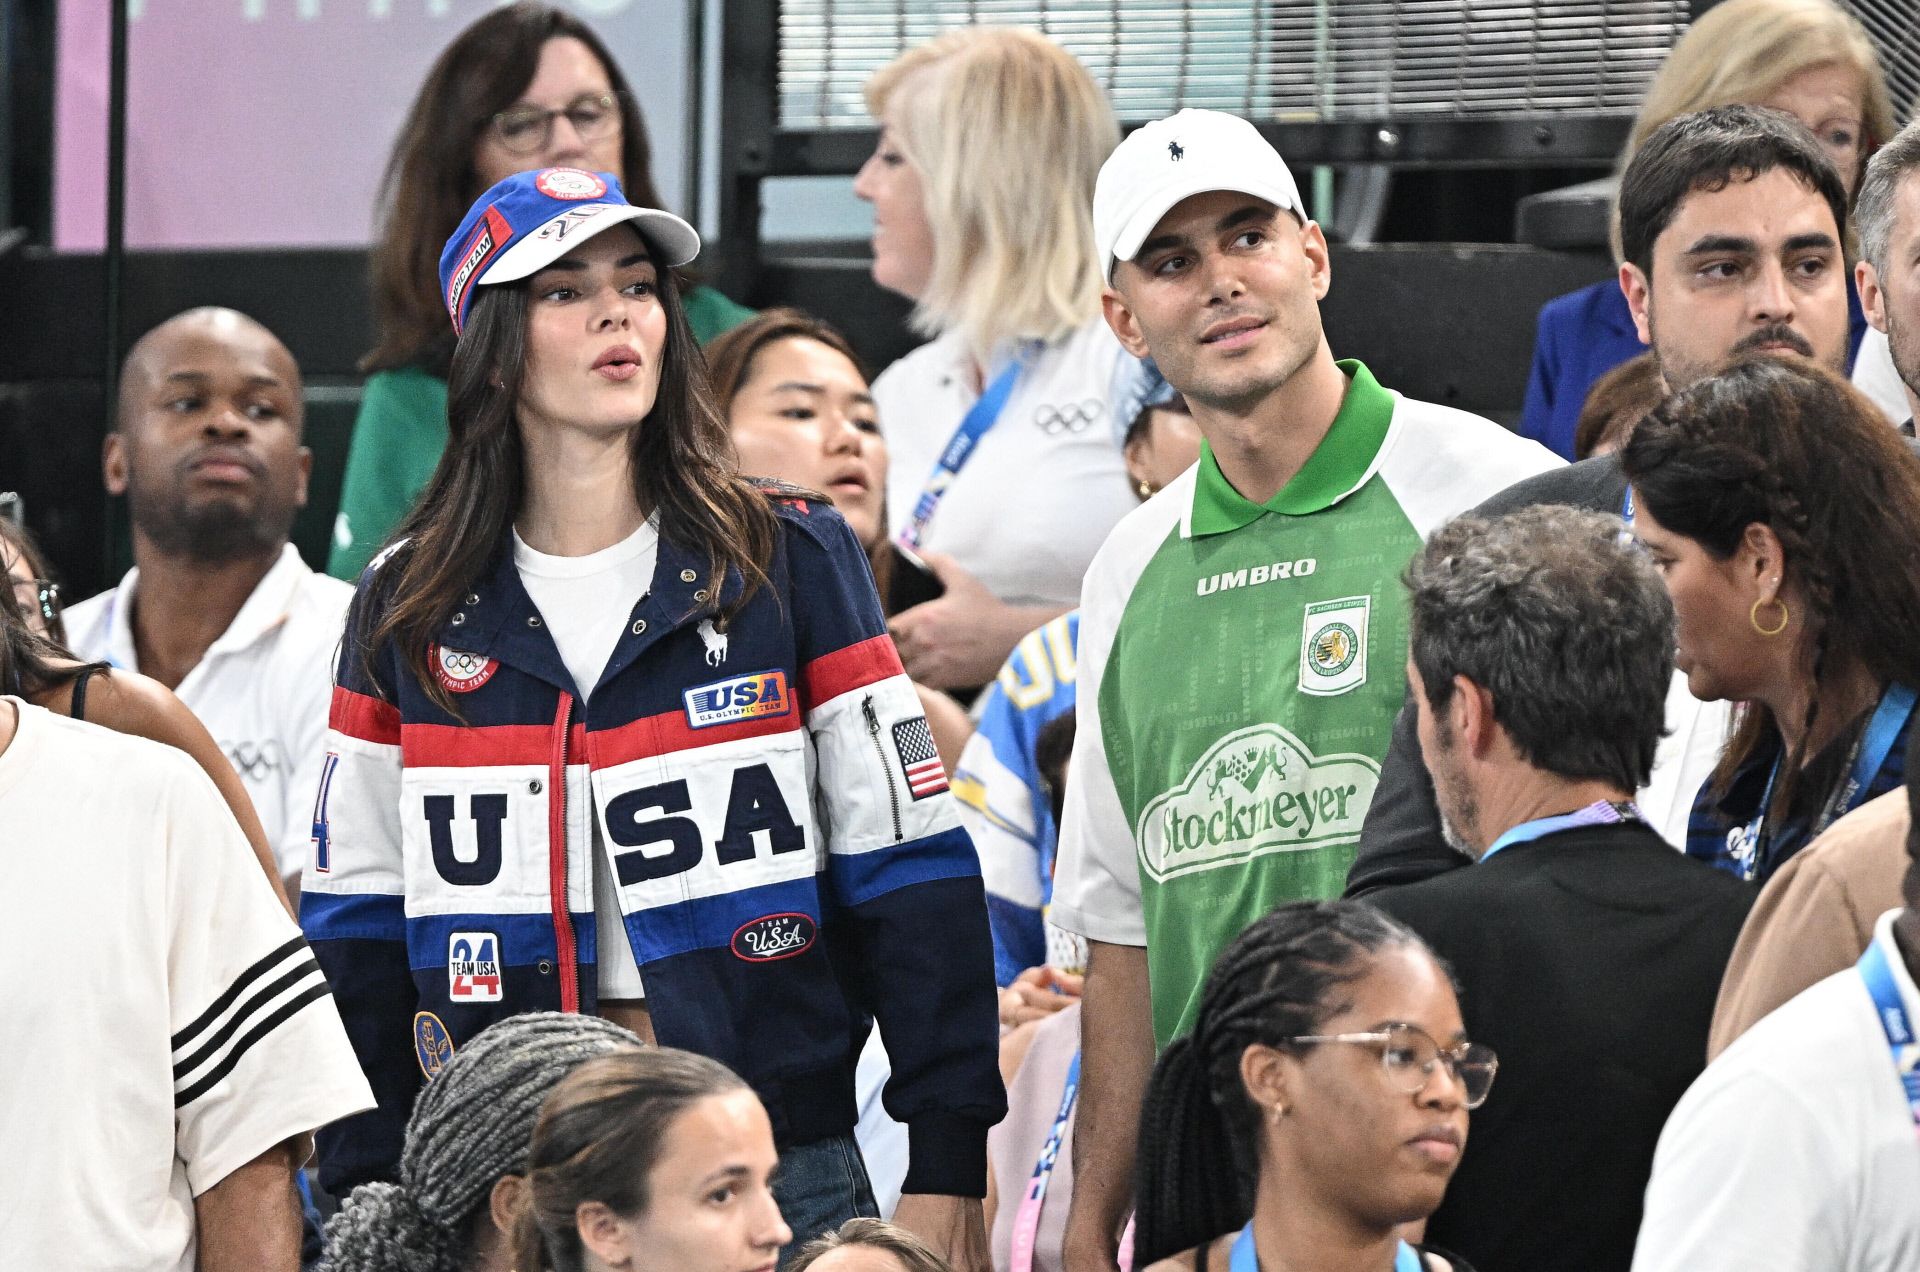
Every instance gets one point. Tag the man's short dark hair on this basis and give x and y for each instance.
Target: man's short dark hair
(1709, 150)
(1558, 615)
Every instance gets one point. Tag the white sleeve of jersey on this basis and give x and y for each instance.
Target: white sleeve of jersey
(1096, 883)
(259, 1053)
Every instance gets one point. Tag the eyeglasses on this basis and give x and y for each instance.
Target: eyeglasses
(1408, 1054)
(526, 130)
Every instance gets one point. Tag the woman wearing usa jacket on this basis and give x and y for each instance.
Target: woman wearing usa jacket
(616, 731)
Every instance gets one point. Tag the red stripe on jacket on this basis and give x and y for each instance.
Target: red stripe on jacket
(844, 670)
(363, 716)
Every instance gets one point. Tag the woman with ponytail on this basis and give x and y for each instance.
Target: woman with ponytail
(1784, 516)
(1319, 1104)
(463, 1169)
(650, 1161)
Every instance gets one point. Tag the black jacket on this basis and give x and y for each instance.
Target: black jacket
(1589, 960)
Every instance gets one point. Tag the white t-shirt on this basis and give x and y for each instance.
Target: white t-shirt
(262, 690)
(586, 602)
(167, 1021)
(1046, 483)
(1795, 1150)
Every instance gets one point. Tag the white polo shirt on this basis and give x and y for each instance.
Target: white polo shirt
(1795, 1149)
(262, 689)
(167, 1022)
(1046, 483)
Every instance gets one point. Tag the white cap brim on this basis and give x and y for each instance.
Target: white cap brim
(671, 241)
(1198, 179)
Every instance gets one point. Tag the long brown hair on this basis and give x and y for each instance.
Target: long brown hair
(430, 181)
(1786, 444)
(681, 457)
(597, 1139)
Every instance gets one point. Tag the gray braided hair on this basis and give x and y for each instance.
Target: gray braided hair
(470, 1126)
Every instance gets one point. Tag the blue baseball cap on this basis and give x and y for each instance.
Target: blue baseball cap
(526, 222)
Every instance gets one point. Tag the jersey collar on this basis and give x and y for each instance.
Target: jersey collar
(1335, 470)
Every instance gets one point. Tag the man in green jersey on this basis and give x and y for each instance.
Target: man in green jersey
(1243, 633)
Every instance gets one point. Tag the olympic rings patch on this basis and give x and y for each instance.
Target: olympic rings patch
(569, 183)
(1071, 417)
(462, 672)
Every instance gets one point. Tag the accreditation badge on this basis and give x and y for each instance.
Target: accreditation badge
(1333, 646)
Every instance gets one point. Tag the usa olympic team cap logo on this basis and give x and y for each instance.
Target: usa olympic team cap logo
(528, 220)
(569, 183)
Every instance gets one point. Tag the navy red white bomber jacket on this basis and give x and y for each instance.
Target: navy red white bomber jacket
(789, 860)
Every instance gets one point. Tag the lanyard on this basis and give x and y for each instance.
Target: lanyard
(1026, 1224)
(1599, 813)
(1892, 1011)
(980, 417)
(1869, 756)
(1245, 1260)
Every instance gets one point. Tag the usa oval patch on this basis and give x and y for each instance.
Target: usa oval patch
(432, 1044)
(774, 936)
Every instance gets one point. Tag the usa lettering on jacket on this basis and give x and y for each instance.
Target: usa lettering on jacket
(760, 791)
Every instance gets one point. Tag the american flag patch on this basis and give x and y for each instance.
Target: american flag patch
(918, 758)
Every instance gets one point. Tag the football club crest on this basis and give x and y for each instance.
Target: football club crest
(461, 672)
(1333, 646)
(569, 183)
(432, 1044)
(473, 967)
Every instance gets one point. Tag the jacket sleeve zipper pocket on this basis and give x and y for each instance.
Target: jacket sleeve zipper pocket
(886, 769)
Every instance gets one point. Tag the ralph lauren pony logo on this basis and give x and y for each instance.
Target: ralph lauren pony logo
(1173, 148)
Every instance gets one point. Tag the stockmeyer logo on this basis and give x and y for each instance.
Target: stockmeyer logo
(750, 697)
(1255, 791)
(774, 936)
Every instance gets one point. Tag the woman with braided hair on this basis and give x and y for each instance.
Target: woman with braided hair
(462, 1172)
(1319, 1104)
(1785, 518)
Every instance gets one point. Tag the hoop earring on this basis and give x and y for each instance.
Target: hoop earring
(1753, 616)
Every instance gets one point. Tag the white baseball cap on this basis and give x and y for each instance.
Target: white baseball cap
(1192, 152)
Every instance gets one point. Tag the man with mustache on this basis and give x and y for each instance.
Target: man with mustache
(1732, 222)
(219, 607)
(1242, 633)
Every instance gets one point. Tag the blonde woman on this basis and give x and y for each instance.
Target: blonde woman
(1006, 469)
(1809, 58)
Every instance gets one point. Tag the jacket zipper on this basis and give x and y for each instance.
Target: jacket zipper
(557, 860)
(879, 749)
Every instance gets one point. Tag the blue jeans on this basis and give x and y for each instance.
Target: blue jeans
(820, 1186)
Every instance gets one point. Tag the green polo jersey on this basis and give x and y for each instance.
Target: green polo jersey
(1241, 665)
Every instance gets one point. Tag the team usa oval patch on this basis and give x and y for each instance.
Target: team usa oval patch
(462, 672)
(432, 1044)
(774, 936)
(569, 183)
